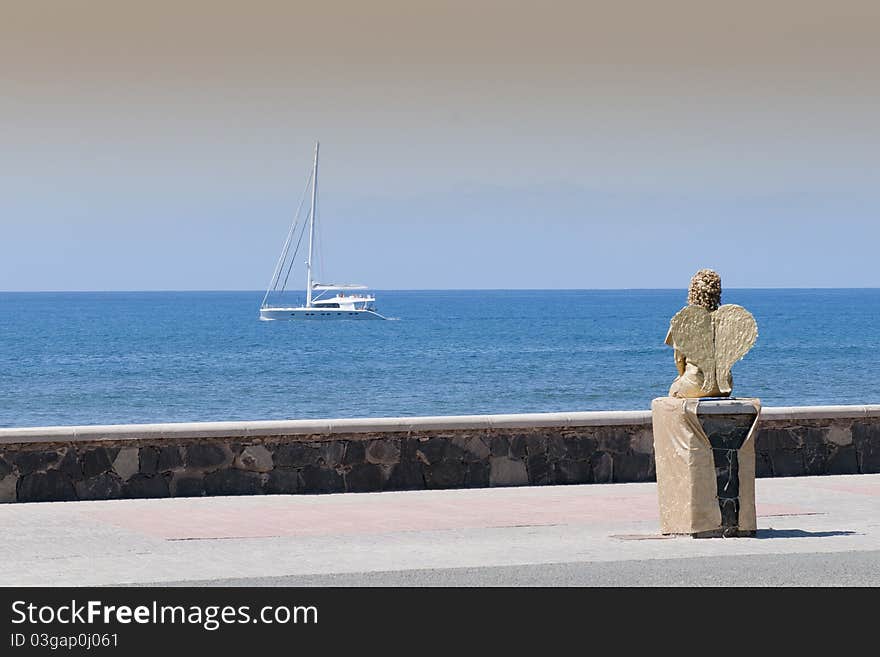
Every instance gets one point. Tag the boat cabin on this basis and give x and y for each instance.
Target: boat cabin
(345, 302)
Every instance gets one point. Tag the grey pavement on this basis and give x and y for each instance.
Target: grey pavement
(838, 569)
(812, 531)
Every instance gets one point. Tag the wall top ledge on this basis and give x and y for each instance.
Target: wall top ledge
(186, 430)
(819, 412)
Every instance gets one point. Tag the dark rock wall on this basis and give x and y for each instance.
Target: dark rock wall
(359, 462)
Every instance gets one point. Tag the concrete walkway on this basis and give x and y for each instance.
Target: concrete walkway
(812, 531)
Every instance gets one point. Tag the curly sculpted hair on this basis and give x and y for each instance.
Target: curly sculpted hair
(705, 290)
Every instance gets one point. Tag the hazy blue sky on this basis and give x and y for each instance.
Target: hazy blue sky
(475, 144)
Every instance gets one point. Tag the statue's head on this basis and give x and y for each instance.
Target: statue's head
(705, 290)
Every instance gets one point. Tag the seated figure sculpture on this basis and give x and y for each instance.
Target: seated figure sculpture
(707, 339)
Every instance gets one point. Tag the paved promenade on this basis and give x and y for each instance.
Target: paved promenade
(811, 531)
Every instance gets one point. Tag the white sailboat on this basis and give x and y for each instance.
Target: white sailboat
(318, 306)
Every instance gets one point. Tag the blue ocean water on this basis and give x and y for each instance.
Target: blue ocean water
(102, 358)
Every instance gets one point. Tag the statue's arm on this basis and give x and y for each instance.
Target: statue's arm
(680, 360)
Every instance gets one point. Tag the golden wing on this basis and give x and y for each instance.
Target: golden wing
(692, 334)
(735, 333)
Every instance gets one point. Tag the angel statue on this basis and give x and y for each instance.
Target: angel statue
(708, 339)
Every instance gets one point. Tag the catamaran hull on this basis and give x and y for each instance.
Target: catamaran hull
(314, 314)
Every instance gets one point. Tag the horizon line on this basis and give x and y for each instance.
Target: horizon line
(443, 289)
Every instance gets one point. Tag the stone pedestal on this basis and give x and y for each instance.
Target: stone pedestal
(705, 460)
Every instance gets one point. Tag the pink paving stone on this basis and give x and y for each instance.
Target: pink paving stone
(272, 516)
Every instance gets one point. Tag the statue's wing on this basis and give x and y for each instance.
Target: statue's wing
(692, 334)
(735, 333)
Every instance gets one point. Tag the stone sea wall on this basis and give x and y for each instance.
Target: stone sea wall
(331, 456)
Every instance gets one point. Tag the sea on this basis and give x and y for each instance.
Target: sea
(85, 358)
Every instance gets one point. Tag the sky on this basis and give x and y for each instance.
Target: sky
(478, 144)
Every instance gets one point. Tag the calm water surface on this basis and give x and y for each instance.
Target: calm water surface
(100, 358)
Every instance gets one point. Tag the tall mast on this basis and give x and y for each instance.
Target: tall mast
(312, 228)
